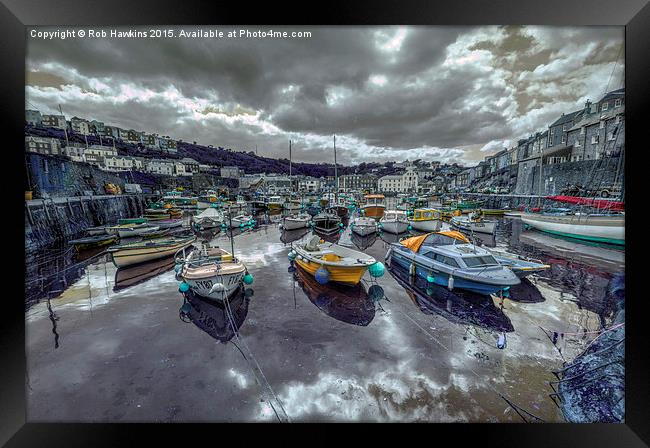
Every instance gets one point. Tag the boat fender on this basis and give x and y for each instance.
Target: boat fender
(376, 293)
(376, 269)
(412, 270)
(183, 287)
(431, 278)
(450, 283)
(185, 308)
(505, 293)
(248, 279)
(322, 275)
(409, 227)
(291, 255)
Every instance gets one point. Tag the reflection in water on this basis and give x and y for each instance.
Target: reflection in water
(289, 236)
(457, 307)
(349, 304)
(134, 275)
(329, 238)
(393, 237)
(363, 242)
(219, 320)
(526, 292)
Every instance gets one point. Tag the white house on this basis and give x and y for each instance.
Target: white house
(95, 154)
(75, 152)
(122, 163)
(80, 126)
(159, 166)
(42, 145)
(309, 185)
(54, 121)
(399, 183)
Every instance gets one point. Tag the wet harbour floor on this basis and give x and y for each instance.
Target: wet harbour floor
(113, 346)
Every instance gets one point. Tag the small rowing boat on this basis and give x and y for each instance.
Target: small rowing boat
(144, 251)
(131, 230)
(92, 241)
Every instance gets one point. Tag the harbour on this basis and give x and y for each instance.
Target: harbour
(387, 349)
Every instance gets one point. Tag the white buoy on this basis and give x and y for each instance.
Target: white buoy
(412, 270)
(450, 283)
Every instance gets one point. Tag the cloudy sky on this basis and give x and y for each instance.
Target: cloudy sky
(455, 94)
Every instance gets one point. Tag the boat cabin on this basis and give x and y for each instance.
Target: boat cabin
(426, 214)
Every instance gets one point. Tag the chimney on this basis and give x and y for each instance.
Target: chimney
(588, 105)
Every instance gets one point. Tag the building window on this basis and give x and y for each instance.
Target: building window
(564, 138)
(611, 136)
(594, 139)
(618, 103)
(602, 124)
(618, 119)
(582, 130)
(604, 107)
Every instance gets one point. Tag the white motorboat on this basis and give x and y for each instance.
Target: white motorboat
(364, 226)
(130, 230)
(240, 220)
(296, 221)
(327, 222)
(473, 223)
(210, 272)
(394, 221)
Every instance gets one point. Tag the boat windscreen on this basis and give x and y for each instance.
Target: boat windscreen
(474, 262)
(437, 239)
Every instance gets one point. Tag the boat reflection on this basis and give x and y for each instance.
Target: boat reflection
(334, 238)
(393, 237)
(289, 236)
(134, 275)
(363, 242)
(352, 305)
(219, 320)
(526, 292)
(455, 306)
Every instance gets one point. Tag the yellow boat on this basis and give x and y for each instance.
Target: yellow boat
(331, 262)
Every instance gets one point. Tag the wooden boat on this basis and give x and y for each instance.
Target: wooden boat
(145, 251)
(92, 241)
(296, 221)
(363, 241)
(211, 272)
(99, 230)
(364, 226)
(207, 199)
(239, 220)
(341, 264)
(394, 221)
(327, 222)
(600, 228)
(130, 230)
(125, 221)
(134, 275)
(493, 211)
(274, 203)
(169, 223)
(473, 223)
(426, 220)
(374, 205)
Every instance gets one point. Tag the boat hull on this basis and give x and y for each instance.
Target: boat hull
(97, 243)
(203, 286)
(478, 227)
(395, 227)
(348, 275)
(136, 231)
(590, 228)
(442, 278)
(373, 211)
(430, 225)
(131, 256)
(293, 224)
(364, 230)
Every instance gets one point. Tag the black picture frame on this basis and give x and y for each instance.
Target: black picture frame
(15, 15)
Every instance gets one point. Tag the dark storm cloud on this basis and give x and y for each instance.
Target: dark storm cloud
(393, 92)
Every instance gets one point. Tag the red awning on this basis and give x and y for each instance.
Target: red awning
(602, 204)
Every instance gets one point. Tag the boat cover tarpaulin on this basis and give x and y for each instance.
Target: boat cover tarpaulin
(597, 203)
(414, 243)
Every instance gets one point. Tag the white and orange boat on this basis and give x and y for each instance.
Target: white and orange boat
(374, 206)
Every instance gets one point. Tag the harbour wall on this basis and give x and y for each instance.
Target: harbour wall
(53, 221)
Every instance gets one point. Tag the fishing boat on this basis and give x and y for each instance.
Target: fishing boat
(442, 259)
(208, 219)
(145, 251)
(99, 230)
(93, 241)
(374, 205)
(292, 205)
(169, 223)
(494, 211)
(162, 214)
(296, 221)
(177, 198)
(600, 228)
(330, 262)
(150, 234)
(426, 220)
(364, 226)
(327, 222)
(274, 203)
(240, 220)
(394, 221)
(210, 272)
(473, 223)
(131, 230)
(124, 221)
(207, 199)
(313, 210)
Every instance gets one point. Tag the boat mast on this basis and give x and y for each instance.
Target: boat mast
(290, 179)
(336, 177)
